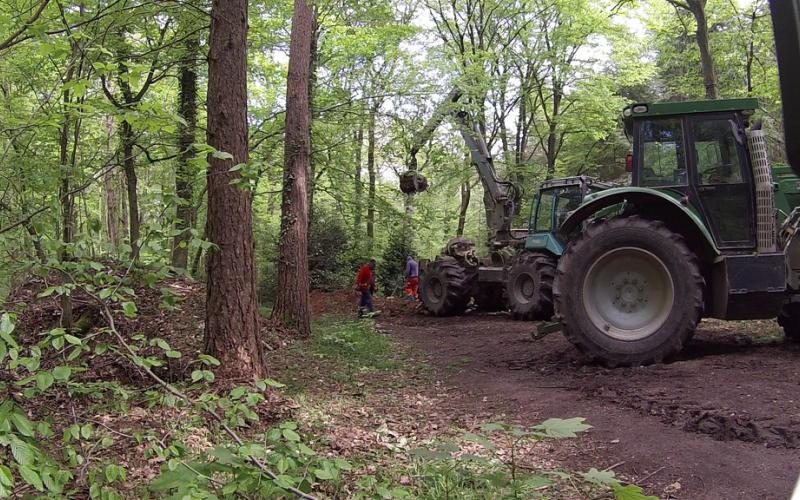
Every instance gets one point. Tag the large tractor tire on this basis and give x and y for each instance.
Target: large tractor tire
(790, 321)
(629, 292)
(530, 286)
(445, 287)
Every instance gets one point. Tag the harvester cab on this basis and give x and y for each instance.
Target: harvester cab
(698, 234)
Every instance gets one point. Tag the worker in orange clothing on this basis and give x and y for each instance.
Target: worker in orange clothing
(412, 278)
(365, 283)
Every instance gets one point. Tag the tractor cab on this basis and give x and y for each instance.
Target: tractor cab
(699, 152)
(555, 201)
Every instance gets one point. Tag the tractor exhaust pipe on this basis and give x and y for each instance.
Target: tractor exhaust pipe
(766, 232)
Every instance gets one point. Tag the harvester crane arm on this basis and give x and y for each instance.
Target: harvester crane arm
(501, 198)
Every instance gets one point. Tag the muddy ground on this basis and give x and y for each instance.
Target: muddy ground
(720, 422)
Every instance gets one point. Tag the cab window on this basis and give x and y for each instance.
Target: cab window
(716, 152)
(544, 212)
(663, 162)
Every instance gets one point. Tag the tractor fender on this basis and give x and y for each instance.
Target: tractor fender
(668, 207)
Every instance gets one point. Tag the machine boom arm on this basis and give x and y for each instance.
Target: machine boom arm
(501, 198)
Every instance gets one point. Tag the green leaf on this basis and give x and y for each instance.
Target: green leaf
(22, 452)
(44, 380)
(323, 474)
(475, 438)
(601, 477)
(238, 392)
(536, 482)
(274, 383)
(87, 430)
(6, 478)
(22, 424)
(72, 339)
(563, 428)
(31, 477)
(197, 375)
(630, 492)
(62, 373)
(129, 309)
(173, 354)
(3, 351)
(222, 155)
(290, 435)
(492, 427)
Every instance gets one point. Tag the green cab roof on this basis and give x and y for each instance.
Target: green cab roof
(644, 110)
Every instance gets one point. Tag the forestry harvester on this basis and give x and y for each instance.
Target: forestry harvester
(518, 273)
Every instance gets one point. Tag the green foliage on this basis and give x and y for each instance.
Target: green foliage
(392, 265)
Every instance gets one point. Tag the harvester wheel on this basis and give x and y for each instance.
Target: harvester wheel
(629, 292)
(530, 286)
(445, 287)
(790, 321)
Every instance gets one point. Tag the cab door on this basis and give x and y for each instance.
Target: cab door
(722, 178)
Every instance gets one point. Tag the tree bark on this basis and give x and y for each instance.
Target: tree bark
(292, 303)
(187, 107)
(232, 318)
(131, 184)
(372, 178)
(358, 184)
(698, 9)
(312, 82)
(709, 72)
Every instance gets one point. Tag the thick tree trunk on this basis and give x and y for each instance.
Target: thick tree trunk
(232, 319)
(292, 304)
(358, 184)
(372, 178)
(466, 193)
(131, 184)
(184, 177)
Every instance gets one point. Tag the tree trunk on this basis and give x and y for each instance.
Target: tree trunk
(372, 178)
(232, 319)
(292, 303)
(312, 82)
(131, 183)
(709, 72)
(466, 193)
(184, 177)
(358, 184)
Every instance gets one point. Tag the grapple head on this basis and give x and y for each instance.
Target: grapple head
(413, 182)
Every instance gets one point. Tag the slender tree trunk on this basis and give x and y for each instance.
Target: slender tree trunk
(232, 319)
(372, 178)
(552, 135)
(358, 184)
(184, 177)
(67, 199)
(709, 72)
(198, 254)
(292, 304)
(466, 193)
(131, 184)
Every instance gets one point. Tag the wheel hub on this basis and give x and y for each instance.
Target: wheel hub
(527, 286)
(628, 293)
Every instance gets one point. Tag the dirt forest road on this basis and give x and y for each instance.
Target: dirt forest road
(720, 422)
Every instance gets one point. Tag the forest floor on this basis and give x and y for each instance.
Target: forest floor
(721, 421)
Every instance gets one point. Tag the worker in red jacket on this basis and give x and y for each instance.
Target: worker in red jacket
(365, 283)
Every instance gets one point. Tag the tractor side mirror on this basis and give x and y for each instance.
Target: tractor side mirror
(629, 163)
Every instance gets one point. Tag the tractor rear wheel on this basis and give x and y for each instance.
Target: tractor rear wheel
(445, 287)
(530, 286)
(790, 321)
(629, 292)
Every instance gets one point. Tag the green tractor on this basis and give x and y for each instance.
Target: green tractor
(707, 229)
